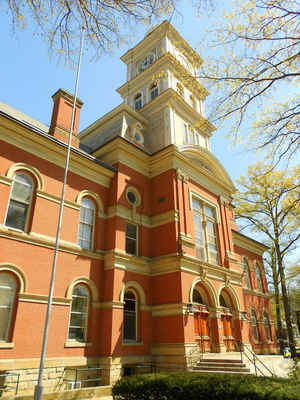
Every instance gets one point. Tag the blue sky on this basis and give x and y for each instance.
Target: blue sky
(29, 78)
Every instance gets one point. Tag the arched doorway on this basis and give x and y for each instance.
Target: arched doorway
(228, 331)
(202, 325)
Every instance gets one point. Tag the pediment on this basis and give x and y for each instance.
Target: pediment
(206, 161)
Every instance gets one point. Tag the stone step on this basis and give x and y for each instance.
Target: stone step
(220, 369)
(222, 360)
(244, 372)
(214, 364)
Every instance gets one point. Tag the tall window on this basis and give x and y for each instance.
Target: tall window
(79, 314)
(246, 274)
(130, 317)
(180, 89)
(138, 101)
(258, 278)
(191, 136)
(205, 232)
(131, 239)
(86, 224)
(254, 326)
(7, 299)
(267, 327)
(19, 202)
(154, 90)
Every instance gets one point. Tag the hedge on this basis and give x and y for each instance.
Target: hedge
(196, 386)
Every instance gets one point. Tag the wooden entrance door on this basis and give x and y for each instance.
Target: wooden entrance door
(202, 330)
(227, 332)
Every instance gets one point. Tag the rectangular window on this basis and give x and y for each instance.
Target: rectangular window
(131, 239)
(86, 224)
(191, 136)
(206, 240)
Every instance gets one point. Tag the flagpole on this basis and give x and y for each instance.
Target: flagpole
(38, 390)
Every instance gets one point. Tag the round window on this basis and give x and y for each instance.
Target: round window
(132, 197)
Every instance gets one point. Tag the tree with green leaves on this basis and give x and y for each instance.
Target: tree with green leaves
(255, 76)
(269, 203)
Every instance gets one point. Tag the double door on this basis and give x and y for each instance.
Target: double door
(228, 332)
(202, 331)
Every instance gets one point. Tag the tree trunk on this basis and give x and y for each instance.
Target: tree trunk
(277, 300)
(286, 302)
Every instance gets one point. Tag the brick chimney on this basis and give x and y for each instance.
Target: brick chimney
(62, 116)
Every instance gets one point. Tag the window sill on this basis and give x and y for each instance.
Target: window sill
(6, 345)
(10, 228)
(132, 343)
(74, 343)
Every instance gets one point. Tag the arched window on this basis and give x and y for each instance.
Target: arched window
(7, 300)
(154, 90)
(267, 327)
(246, 274)
(20, 202)
(86, 224)
(197, 298)
(180, 89)
(130, 317)
(258, 278)
(138, 101)
(254, 326)
(222, 301)
(79, 314)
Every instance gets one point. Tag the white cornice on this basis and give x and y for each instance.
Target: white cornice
(164, 29)
(247, 243)
(42, 147)
(165, 62)
(171, 98)
(117, 112)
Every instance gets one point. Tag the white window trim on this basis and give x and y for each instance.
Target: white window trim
(137, 195)
(136, 240)
(26, 225)
(136, 340)
(258, 270)
(9, 319)
(92, 247)
(142, 100)
(203, 199)
(158, 90)
(75, 341)
(248, 273)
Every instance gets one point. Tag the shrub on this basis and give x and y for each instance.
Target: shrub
(196, 386)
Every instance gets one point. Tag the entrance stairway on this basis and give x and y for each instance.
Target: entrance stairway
(229, 363)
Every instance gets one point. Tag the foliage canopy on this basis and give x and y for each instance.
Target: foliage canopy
(256, 69)
(59, 22)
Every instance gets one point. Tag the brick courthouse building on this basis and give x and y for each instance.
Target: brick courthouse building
(148, 231)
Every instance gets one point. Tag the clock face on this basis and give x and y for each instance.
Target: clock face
(146, 62)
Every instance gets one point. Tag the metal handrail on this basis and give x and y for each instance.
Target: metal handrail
(255, 358)
(83, 380)
(16, 387)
